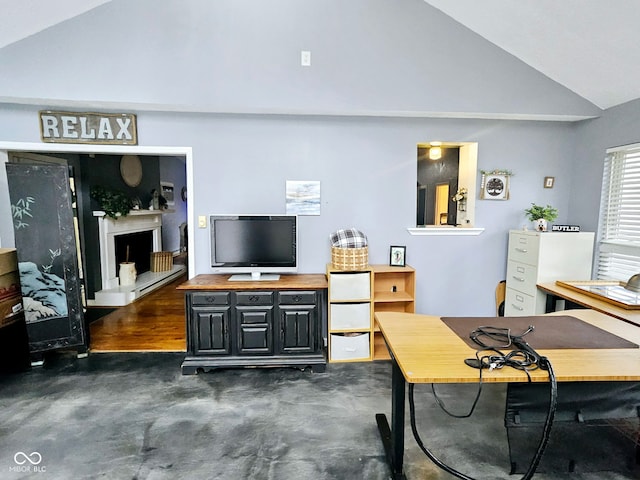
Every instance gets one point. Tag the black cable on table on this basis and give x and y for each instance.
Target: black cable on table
(523, 358)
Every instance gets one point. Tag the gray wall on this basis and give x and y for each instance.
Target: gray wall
(377, 63)
(367, 169)
(617, 126)
(173, 170)
(367, 57)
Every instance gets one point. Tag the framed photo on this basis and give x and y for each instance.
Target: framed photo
(549, 181)
(166, 190)
(397, 256)
(494, 187)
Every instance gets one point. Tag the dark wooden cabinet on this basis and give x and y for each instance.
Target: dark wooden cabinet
(274, 323)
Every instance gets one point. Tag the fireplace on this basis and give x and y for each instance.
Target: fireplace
(134, 247)
(139, 234)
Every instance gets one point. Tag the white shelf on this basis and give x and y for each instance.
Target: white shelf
(445, 230)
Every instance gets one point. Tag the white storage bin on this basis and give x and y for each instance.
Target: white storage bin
(350, 316)
(350, 286)
(350, 346)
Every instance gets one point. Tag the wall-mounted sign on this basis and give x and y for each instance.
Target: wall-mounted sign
(80, 127)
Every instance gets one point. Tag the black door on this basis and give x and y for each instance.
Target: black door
(45, 238)
(297, 328)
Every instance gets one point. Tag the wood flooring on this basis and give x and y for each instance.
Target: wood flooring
(153, 323)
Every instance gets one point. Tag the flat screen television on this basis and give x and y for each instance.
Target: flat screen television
(254, 247)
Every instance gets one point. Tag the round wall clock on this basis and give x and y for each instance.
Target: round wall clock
(131, 170)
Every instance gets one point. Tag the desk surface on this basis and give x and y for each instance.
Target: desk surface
(427, 351)
(632, 316)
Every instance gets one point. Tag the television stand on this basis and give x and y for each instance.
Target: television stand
(254, 277)
(255, 324)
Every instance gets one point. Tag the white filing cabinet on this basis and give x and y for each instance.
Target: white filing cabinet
(537, 257)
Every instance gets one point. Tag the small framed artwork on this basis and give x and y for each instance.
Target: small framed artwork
(166, 189)
(397, 255)
(494, 187)
(303, 197)
(549, 181)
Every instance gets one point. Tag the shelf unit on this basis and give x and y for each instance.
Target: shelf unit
(394, 290)
(350, 315)
(354, 298)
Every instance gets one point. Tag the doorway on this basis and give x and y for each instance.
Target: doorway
(6, 231)
(441, 212)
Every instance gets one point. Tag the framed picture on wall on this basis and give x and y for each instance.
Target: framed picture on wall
(397, 256)
(494, 187)
(167, 192)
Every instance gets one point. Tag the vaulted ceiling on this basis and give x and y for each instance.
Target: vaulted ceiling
(589, 46)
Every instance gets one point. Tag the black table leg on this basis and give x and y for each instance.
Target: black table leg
(551, 303)
(393, 438)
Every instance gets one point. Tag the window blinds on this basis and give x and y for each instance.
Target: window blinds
(619, 229)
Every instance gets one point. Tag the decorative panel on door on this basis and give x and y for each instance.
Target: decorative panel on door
(45, 238)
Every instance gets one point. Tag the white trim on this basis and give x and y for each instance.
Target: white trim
(445, 231)
(121, 149)
(51, 103)
(622, 148)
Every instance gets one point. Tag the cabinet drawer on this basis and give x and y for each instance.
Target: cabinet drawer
(522, 277)
(210, 298)
(254, 298)
(350, 286)
(295, 298)
(350, 316)
(518, 304)
(524, 247)
(350, 346)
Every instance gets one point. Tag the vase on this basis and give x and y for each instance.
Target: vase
(127, 273)
(540, 225)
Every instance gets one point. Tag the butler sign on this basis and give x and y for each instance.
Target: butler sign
(97, 128)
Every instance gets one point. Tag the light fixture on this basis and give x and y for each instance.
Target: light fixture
(435, 151)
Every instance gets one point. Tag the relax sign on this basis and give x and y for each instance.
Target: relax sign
(97, 128)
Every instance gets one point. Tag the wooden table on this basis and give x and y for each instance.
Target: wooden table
(424, 350)
(558, 292)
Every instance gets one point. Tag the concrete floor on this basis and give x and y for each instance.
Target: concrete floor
(134, 416)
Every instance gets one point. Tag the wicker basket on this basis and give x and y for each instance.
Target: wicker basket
(350, 258)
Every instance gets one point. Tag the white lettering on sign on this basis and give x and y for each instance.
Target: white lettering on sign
(84, 132)
(105, 129)
(69, 126)
(124, 126)
(72, 127)
(49, 126)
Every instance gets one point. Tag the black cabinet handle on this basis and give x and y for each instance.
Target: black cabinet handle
(254, 298)
(297, 298)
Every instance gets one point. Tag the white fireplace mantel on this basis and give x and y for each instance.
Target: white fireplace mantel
(108, 228)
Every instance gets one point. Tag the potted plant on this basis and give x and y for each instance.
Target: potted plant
(540, 215)
(113, 202)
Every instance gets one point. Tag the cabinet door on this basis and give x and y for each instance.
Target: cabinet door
(298, 326)
(255, 330)
(211, 331)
